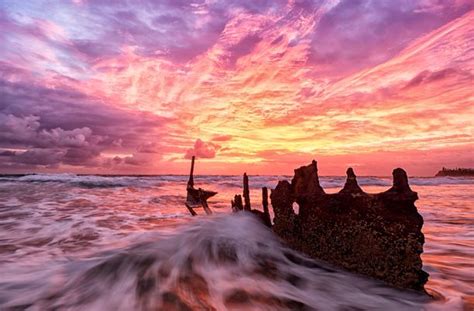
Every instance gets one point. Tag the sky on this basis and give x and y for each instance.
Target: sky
(138, 87)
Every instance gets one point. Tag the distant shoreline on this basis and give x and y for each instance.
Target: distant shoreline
(457, 172)
(210, 175)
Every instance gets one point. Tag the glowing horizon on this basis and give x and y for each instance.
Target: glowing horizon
(262, 87)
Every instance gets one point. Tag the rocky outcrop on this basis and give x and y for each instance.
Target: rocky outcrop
(377, 235)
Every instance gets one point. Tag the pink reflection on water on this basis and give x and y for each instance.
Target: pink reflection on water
(45, 223)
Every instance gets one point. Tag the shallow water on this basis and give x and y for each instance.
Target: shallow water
(121, 243)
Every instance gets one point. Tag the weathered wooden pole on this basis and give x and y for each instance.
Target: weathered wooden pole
(195, 196)
(236, 203)
(190, 209)
(266, 212)
(190, 187)
(247, 206)
(265, 199)
(204, 202)
(191, 174)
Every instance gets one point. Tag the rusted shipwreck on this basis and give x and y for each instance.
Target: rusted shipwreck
(238, 206)
(377, 235)
(197, 197)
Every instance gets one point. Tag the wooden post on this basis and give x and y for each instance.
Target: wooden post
(247, 206)
(197, 196)
(266, 212)
(189, 188)
(191, 174)
(236, 203)
(191, 210)
(204, 202)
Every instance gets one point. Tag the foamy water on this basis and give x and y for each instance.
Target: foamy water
(122, 243)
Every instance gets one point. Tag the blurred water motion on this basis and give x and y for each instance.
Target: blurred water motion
(122, 243)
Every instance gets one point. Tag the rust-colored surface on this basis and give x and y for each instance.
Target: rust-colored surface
(237, 205)
(197, 197)
(377, 235)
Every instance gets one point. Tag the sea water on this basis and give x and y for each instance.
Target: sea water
(70, 242)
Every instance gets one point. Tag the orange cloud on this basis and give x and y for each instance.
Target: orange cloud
(258, 96)
(419, 99)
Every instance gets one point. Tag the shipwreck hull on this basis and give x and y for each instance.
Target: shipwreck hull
(377, 235)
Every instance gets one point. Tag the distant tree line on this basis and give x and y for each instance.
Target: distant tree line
(459, 171)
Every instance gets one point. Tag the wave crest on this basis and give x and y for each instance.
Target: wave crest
(215, 263)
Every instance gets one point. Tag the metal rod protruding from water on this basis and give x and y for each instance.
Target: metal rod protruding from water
(191, 174)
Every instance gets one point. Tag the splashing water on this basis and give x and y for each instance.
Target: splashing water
(130, 245)
(216, 263)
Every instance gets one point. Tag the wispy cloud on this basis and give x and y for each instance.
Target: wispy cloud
(139, 86)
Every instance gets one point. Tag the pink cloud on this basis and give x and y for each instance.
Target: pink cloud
(285, 82)
(201, 149)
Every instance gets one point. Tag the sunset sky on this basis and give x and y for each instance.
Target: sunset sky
(116, 86)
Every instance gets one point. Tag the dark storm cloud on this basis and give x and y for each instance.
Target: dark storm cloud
(39, 157)
(54, 126)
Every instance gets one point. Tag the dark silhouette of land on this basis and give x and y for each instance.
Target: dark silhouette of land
(455, 172)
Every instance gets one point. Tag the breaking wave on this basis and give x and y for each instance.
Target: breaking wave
(215, 263)
(87, 181)
(256, 182)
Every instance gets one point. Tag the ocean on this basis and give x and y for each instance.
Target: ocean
(86, 242)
